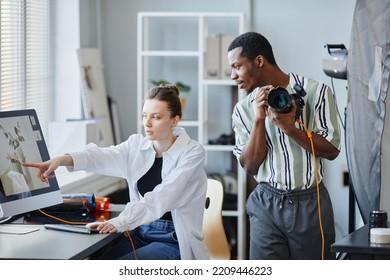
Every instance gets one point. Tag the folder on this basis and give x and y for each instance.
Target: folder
(212, 57)
(225, 67)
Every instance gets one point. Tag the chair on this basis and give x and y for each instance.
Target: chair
(213, 230)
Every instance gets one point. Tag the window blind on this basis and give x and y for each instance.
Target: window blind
(25, 57)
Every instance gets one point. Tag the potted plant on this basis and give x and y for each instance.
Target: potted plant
(183, 88)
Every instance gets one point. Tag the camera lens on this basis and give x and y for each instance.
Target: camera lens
(378, 218)
(280, 100)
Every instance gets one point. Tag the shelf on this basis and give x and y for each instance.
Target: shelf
(188, 14)
(223, 148)
(189, 123)
(230, 213)
(219, 82)
(169, 53)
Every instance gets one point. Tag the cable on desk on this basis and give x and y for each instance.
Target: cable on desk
(83, 223)
(6, 219)
(61, 220)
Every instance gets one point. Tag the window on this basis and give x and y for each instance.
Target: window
(25, 57)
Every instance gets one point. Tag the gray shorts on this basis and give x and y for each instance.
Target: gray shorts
(285, 224)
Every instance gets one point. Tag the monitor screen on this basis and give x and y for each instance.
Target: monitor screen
(21, 140)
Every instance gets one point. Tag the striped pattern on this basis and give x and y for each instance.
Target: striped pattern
(288, 166)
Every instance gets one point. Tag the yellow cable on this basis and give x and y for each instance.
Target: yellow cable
(308, 133)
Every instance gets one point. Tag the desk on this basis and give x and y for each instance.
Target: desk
(358, 247)
(46, 244)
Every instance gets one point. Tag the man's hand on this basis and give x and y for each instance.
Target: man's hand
(261, 101)
(285, 121)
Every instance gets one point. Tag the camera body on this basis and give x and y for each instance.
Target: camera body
(280, 100)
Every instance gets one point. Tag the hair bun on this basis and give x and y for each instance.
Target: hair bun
(173, 88)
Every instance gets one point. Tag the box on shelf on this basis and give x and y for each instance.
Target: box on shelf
(225, 67)
(216, 64)
(212, 57)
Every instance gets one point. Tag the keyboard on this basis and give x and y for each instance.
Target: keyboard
(71, 228)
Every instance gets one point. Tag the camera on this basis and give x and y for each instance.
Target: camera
(281, 100)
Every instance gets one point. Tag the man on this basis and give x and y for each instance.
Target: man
(284, 151)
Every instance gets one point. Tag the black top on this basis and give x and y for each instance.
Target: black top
(150, 180)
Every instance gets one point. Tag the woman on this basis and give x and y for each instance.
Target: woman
(167, 183)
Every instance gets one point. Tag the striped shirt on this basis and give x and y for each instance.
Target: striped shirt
(287, 165)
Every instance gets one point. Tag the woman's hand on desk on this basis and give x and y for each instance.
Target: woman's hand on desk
(103, 227)
(47, 168)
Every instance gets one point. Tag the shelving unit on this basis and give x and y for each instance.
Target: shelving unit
(173, 47)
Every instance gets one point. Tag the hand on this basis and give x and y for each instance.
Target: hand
(103, 227)
(46, 169)
(285, 121)
(261, 101)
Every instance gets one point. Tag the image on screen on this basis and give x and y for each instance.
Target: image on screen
(21, 141)
(16, 135)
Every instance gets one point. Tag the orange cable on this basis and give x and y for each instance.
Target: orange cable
(309, 135)
(61, 220)
(132, 244)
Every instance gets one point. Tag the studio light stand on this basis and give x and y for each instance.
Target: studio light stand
(334, 63)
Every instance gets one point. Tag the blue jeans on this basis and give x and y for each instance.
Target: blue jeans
(153, 241)
(285, 225)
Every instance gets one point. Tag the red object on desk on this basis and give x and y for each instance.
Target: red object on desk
(102, 203)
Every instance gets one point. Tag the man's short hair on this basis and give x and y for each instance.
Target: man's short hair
(253, 44)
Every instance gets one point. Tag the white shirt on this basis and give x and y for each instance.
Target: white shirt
(182, 190)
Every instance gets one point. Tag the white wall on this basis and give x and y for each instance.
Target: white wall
(66, 73)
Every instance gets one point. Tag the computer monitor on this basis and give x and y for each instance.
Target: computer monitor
(21, 140)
